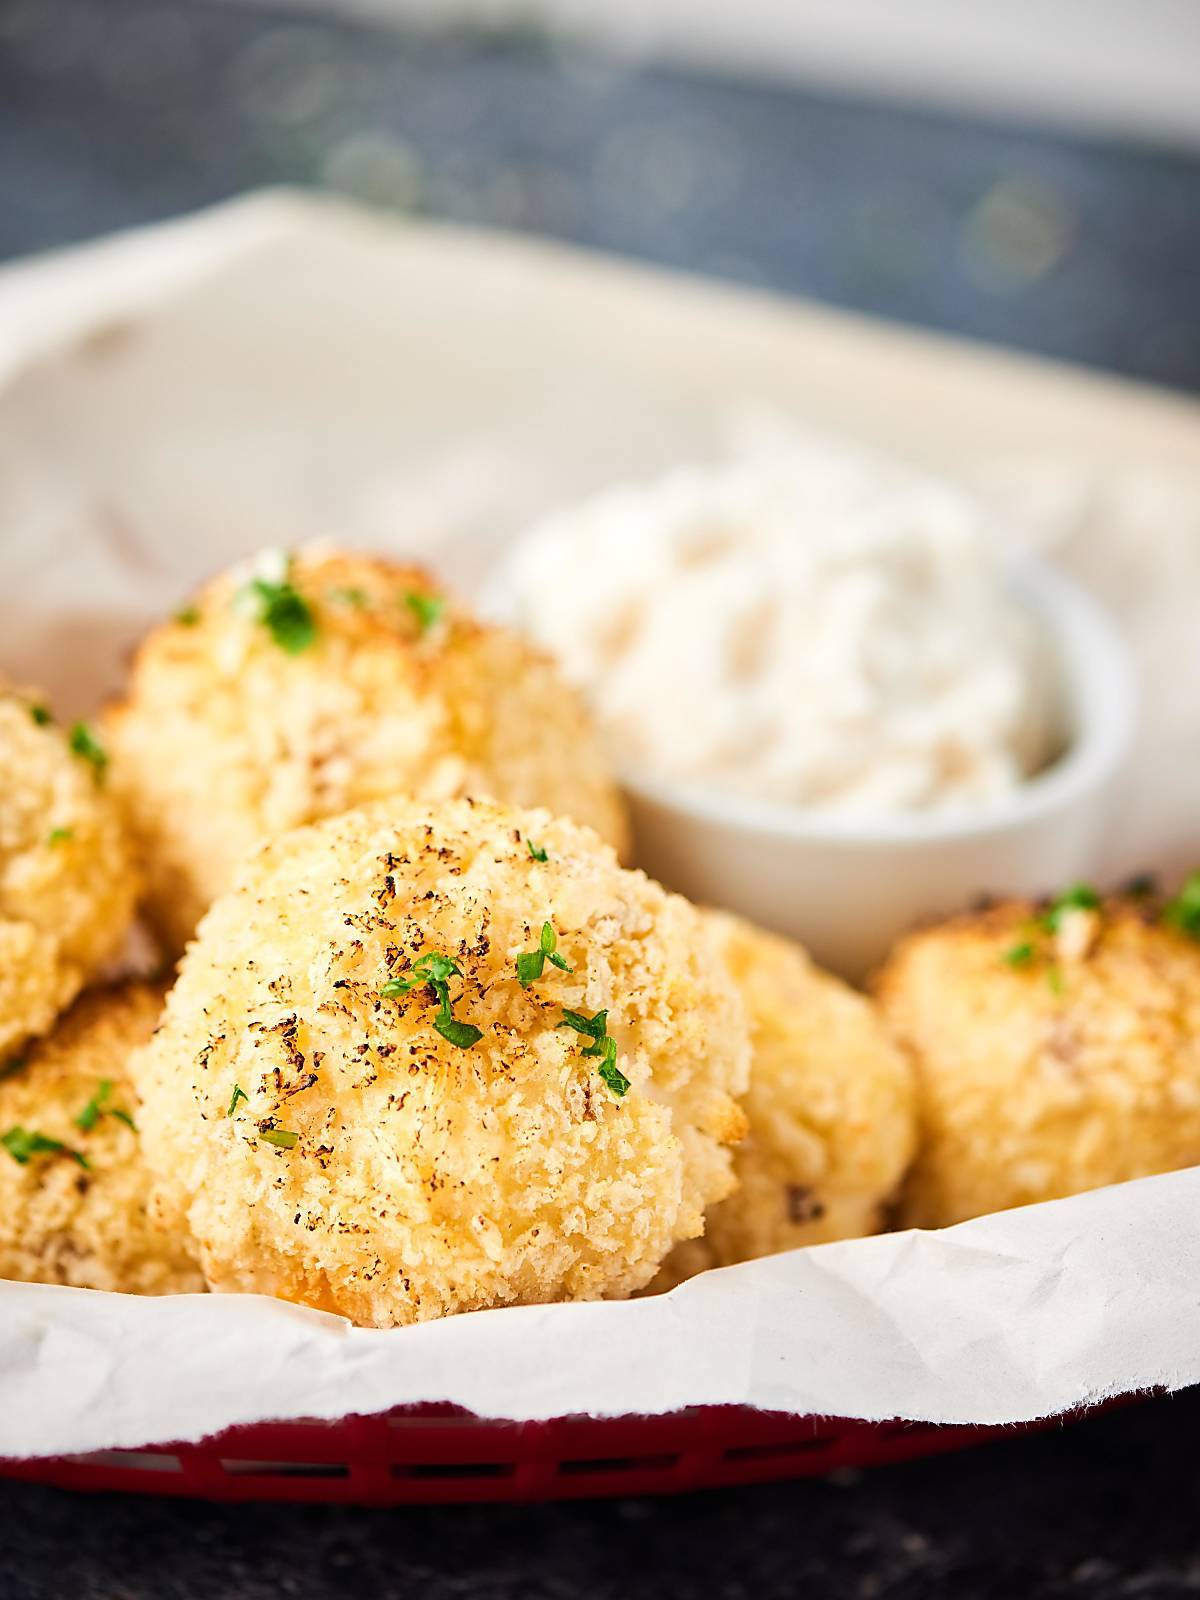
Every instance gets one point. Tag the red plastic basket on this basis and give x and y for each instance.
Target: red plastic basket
(441, 1454)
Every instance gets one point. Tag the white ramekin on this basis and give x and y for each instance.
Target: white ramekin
(847, 887)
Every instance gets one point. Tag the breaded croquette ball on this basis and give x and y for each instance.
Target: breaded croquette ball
(424, 1059)
(831, 1106)
(73, 1186)
(322, 683)
(67, 885)
(1057, 1049)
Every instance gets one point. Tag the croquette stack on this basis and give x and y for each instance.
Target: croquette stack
(354, 1101)
(429, 1047)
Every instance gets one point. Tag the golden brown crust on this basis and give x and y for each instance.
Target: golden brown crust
(67, 884)
(60, 1223)
(224, 738)
(1048, 1062)
(831, 1108)
(425, 1178)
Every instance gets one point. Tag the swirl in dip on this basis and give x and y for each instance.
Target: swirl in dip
(822, 628)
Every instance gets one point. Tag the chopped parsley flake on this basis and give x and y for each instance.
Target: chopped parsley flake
(1183, 912)
(22, 1145)
(187, 616)
(41, 715)
(427, 608)
(281, 1138)
(536, 851)
(532, 963)
(238, 1094)
(280, 607)
(11, 1068)
(98, 1107)
(1054, 978)
(349, 597)
(434, 971)
(602, 1045)
(60, 835)
(83, 742)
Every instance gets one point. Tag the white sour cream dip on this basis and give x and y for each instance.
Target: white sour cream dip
(824, 628)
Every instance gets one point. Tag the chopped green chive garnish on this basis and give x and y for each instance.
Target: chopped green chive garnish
(187, 616)
(349, 597)
(532, 963)
(1079, 897)
(281, 1138)
(536, 851)
(602, 1045)
(98, 1107)
(427, 608)
(238, 1095)
(609, 1070)
(1019, 955)
(60, 835)
(285, 613)
(90, 1115)
(433, 971)
(41, 715)
(83, 742)
(281, 608)
(431, 968)
(594, 1027)
(22, 1145)
(1183, 912)
(461, 1034)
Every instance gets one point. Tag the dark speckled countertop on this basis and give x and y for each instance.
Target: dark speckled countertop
(120, 111)
(1106, 1507)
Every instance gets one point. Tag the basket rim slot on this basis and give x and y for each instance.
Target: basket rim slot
(608, 1465)
(234, 1467)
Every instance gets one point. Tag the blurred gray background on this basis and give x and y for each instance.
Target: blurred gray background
(1025, 174)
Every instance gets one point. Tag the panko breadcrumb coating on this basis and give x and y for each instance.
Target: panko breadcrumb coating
(831, 1106)
(1056, 1050)
(357, 1105)
(335, 681)
(62, 1222)
(67, 885)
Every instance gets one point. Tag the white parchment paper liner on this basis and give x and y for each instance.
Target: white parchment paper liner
(282, 369)
(1004, 1319)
